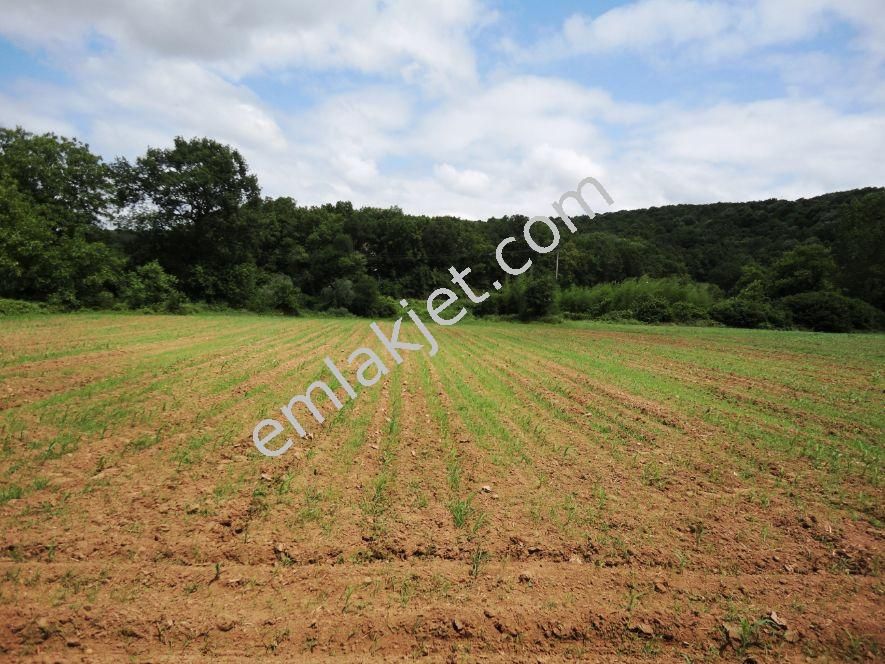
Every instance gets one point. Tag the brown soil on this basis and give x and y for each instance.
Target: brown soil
(606, 522)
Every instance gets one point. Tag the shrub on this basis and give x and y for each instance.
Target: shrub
(529, 297)
(20, 307)
(367, 299)
(651, 309)
(618, 316)
(686, 312)
(746, 312)
(277, 293)
(339, 312)
(338, 295)
(865, 316)
(828, 311)
(651, 300)
(385, 307)
(103, 299)
(539, 298)
(150, 286)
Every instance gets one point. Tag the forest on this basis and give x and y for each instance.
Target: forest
(185, 228)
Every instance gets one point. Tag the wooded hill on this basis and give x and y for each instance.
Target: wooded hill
(186, 227)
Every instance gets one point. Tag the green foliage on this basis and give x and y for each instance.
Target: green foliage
(75, 232)
(338, 295)
(198, 181)
(539, 297)
(826, 311)
(60, 179)
(277, 293)
(19, 307)
(748, 312)
(644, 299)
(688, 312)
(809, 267)
(860, 248)
(53, 196)
(149, 286)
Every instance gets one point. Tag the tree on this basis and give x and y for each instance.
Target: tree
(539, 298)
(150, 286)
(860, 249)
(186, 203)
(338, 295)
(53, 195)
(808, 267)
(831, 312)
(68, 186)
(192, 182)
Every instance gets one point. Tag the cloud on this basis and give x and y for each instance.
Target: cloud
(711, 30)
(780, 148)
(474, 183)
(396, 111)
(419, 40)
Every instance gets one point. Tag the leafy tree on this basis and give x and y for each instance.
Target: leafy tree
(831, 312)
(53, 195)
(191, 183)
(150, 286)
(277, 293)
(651, 309)
(365, 296)
(808, 267)
(860, 249)
(338, 295)
(187, 205)
(539, 299)
(68, 187)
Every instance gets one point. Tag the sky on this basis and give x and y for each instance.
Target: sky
(468, 107)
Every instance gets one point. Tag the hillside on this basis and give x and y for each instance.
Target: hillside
(187, 226)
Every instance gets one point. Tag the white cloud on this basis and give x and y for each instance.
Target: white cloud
(433, 136)
(758, 150)
(714, 29)
(423, 39)
(466, 181)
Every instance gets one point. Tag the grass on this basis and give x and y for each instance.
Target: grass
(610, 445)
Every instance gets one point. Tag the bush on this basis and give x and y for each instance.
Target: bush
(647, 299)
(651, 309)
(238, 284)
(515, 301)
(385, 307)
(367, 298)
(339, 312)
(618, 316)
(827, 311)
(20, 307)
(746, 312)
(338, 295)
(102, 300)
(865, 316)
(151, 287)
(277, 293)
(686, 312)
(539, 298)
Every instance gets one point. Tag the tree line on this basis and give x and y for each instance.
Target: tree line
(186, 228)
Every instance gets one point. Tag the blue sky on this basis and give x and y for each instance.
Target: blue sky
(469, 107)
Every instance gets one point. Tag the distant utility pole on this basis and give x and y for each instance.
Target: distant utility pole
(557, 266)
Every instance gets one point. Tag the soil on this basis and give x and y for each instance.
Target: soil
(606, 522)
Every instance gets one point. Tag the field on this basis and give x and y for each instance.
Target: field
(532, 493)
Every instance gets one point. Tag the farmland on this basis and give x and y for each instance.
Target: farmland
(533, 491)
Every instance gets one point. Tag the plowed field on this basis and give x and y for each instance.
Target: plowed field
(532, 493)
